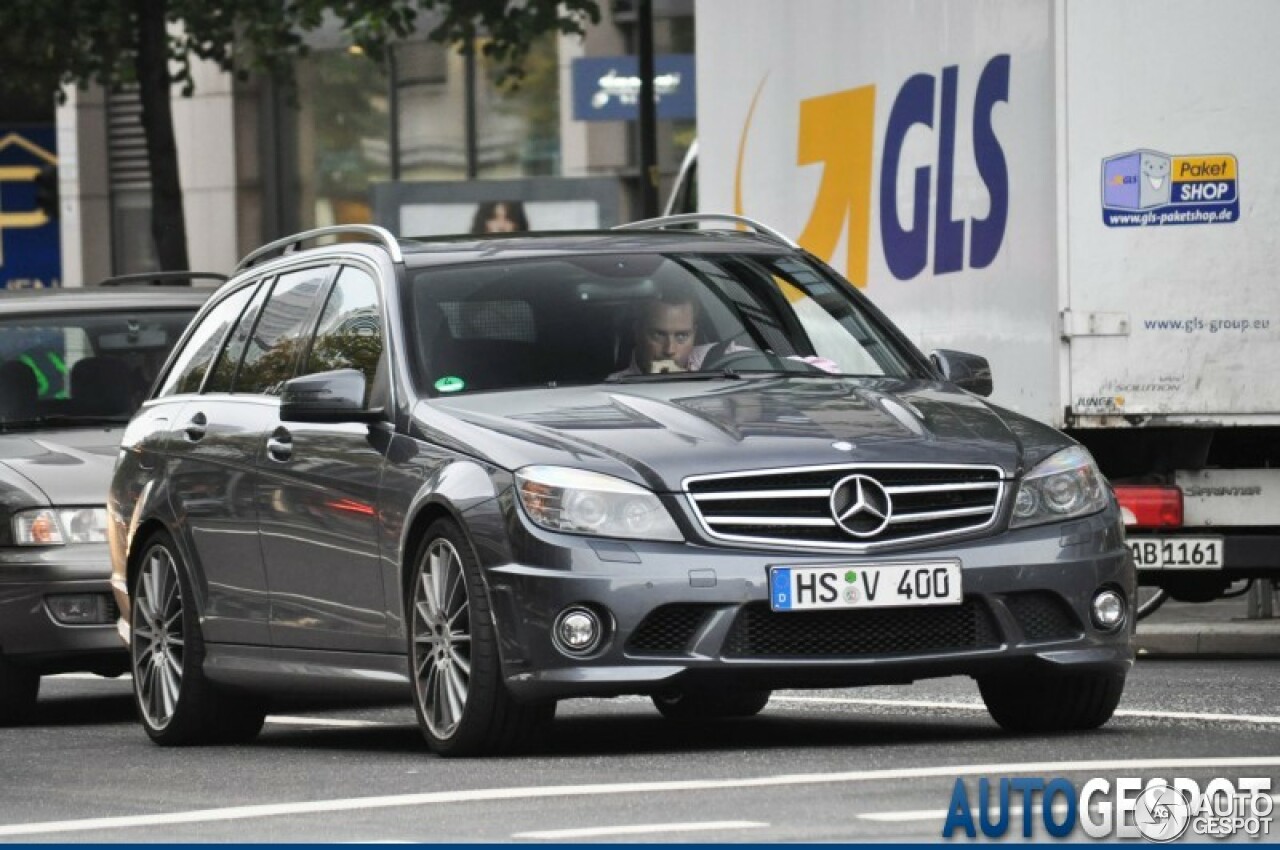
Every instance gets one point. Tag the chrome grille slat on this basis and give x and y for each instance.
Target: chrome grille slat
(926, 516)
(939, 488)
(791, 507)
(813, 522)
(768, 494)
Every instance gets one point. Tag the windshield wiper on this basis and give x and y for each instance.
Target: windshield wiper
(712, 375)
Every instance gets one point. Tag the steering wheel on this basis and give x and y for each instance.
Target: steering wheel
(730, 360)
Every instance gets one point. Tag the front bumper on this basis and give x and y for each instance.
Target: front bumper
(683, 615)
(31, 636)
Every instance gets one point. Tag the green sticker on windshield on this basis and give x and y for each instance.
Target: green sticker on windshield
(450, 384)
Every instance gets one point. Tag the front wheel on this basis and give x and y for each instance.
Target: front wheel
(178, 706)
(1067, 702)
(463, 707)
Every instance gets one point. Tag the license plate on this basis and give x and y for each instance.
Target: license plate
(1176, 553)
(865, 586)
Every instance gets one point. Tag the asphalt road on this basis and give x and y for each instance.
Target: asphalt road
(854, 765)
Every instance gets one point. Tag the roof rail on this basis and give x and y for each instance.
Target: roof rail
(289, 244)
(694, 218)
(162, 278)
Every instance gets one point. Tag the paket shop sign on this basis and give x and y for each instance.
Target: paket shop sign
(1146, 188)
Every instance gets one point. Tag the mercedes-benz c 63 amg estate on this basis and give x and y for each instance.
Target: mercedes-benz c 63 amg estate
(497, 472)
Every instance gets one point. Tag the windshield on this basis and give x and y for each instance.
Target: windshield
(69, 369)
(640, 318)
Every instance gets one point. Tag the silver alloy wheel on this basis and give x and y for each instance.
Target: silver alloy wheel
(158, 641)
(442, 639)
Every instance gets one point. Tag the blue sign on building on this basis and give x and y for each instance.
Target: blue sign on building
(608, 88)
(29, 243)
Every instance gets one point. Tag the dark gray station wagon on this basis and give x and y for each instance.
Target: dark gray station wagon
(497, 472)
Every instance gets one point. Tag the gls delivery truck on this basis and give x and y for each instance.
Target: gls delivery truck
(1086, 192)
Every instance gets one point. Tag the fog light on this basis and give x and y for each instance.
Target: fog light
(1108, 610)
(81, 609)
(577, 631)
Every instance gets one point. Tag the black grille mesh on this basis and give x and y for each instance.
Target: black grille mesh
(668, 629)
(1043, 615)
(757, 631)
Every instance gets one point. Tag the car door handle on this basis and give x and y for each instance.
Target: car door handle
(280, 445)
(196, 427)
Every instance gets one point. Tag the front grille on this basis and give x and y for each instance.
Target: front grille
(760, 632)
(793, 506)
(668, 629)
(1043, 615)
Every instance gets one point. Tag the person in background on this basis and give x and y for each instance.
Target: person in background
(499, 217)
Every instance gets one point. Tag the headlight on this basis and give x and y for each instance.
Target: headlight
(58, 526)
(1064, 485)
(563, 499)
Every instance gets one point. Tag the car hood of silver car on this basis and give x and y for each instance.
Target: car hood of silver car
(64, 467)
(656, 434)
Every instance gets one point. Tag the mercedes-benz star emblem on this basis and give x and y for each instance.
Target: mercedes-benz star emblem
(861, 506)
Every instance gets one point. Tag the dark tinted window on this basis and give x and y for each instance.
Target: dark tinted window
(349, 335)
(189, 369)
(224, 370)
(280, 331)
(98, 364)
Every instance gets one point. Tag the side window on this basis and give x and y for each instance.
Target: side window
(225, 369)
(191, 364)
(280, 332)
(349, 335)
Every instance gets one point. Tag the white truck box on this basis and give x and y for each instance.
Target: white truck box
(1086, 192)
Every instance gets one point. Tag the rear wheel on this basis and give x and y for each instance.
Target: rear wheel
(463, 707)
(1150, 599)
(1062, 703)
(711, 705)
(18, 690)
(177, 705)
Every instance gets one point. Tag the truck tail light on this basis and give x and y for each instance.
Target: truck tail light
(1150, 506)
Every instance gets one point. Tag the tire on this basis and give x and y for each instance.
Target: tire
(177, 705)
(1149, 600)
(463, 707)
(1069, 702)
(19, 688)
(711, 705)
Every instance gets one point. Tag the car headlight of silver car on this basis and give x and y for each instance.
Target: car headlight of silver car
(1064, 485)
(59, 526)
(575, 500)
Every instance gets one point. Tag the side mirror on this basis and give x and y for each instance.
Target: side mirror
(331, 397)
(969, 372)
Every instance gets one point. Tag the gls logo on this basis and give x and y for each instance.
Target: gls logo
(838, 130)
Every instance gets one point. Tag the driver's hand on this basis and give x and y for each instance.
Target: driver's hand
(661, 367)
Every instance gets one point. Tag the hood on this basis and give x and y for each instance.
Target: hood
(68, 467)
(657, 434)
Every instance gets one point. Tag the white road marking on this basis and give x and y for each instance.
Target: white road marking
(979, 707)
(286, 720)
(566, 791)
(639, 829)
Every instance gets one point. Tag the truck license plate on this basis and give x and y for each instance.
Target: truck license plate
(865, 586)
(1176, 553)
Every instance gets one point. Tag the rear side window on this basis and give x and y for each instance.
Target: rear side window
(349, 335)
(224, 371)
(281, 330)
(202, 346)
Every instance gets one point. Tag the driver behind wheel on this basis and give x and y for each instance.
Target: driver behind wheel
(665, 330)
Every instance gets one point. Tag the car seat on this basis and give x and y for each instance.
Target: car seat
(19, 391)
(103, 386)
